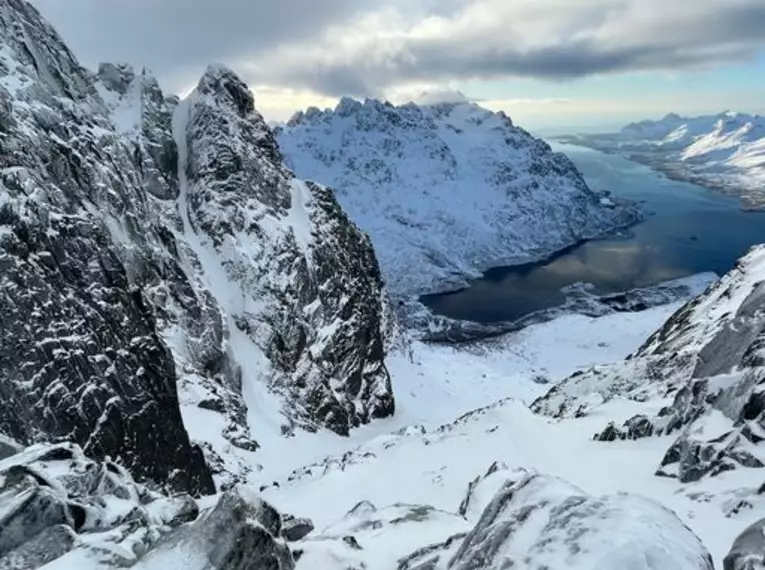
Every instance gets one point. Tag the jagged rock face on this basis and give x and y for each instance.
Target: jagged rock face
(154, 150)
(81, 354)
(708, 358)
(445, 191)
(310, 291)
(52, 495)
(114, 317)
(543, 522)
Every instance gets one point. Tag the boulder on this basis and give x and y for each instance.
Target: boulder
(543, 522)
(748, 550)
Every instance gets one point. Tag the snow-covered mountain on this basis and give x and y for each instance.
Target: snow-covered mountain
(724, 151)
(154, 250)
(174, 302)
(446, 190)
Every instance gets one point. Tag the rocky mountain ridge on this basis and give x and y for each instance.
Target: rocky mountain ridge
(700, 378)
(153, 250)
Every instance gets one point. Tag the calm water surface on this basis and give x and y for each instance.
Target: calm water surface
(688, 230)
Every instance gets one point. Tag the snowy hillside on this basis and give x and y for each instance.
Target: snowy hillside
(446, 190)
(725, 151)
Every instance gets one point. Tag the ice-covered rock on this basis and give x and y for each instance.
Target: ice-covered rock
(55, 502)
(240, 533)
(446, 190)
(748, 550)
(538, 521)
(295, 528)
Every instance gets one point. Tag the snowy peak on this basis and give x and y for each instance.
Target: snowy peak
(226, 87)
(294, 276)
(347, 106)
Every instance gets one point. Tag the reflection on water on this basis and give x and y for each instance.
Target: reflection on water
(689, 230)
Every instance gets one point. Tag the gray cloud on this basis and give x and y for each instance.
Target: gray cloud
(177, 38)
(721, 32)
(304, 44)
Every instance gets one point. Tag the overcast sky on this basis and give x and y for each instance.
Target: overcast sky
(543, 61)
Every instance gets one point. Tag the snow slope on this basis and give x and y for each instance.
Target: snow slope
(433, 462)
(724, 151)
(446, 190)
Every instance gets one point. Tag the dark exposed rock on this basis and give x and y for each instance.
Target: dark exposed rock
(466, 502)
(51, 543)
(8, 447)
(34, 509)
(240, 533)
(690, 460)
(610, 433)
(51, 493)
(748, 550)
(294, 529)
(636, 427)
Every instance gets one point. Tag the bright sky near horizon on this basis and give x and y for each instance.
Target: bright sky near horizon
(547, 63)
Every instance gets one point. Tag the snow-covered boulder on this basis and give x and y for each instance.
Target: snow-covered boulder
(55, 501)
(240, 533)
(368, 536)
(446, 190)
(543, 522)
(60, 510)
(748, 550)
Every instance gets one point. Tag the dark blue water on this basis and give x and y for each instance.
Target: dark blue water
(689, 230)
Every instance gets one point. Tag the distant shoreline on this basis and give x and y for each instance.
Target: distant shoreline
(674, 170)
